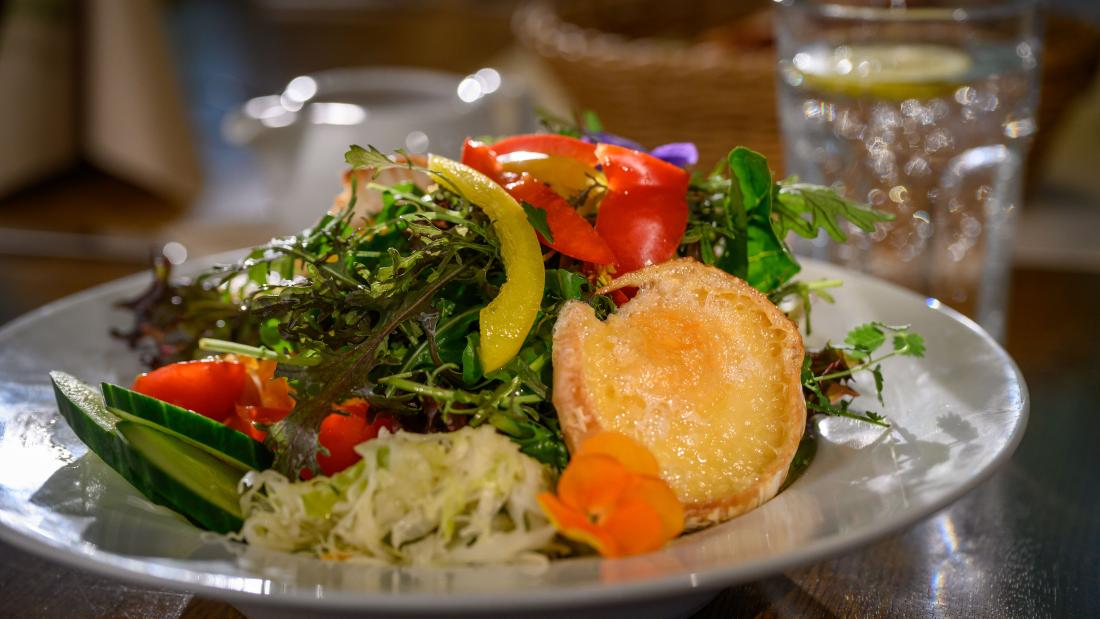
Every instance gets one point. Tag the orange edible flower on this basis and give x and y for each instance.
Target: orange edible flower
(265, 399)
(612, 498)
(263, 389)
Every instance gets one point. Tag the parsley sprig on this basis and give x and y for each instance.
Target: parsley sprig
(826, 373)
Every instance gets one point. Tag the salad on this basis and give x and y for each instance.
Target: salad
(562, 344)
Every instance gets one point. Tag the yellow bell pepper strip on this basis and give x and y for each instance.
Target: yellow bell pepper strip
(507, 319)
(567, 177)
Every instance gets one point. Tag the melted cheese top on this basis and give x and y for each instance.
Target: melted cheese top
(697, 375)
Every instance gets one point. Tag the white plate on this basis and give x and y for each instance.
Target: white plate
(957, 414)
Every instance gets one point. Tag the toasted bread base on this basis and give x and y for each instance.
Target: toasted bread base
(690, 343)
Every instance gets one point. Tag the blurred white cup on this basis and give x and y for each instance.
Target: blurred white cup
(300, 135)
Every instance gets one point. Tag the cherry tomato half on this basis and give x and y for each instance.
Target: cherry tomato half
(209, 387)
(246, 417)
(341, 432)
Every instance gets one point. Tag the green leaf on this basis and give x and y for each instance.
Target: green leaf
(537, 218)
(471, 365)
(257, 273)
(591, 122)
(528, 377)
(805, 209)
(876, 372)
(271, 338)
(805, 292)
(563, 284)
(556, 124)
(734, 217)
(909, 344)
(803, 456)
(876, 418)
(754, 178)
(865, 339)
(540, 439)
(768, 263)
(369, 157)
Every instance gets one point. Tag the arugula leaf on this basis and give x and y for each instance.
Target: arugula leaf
(539, 438)
(537, 218)
(370, 157)
(804, 209)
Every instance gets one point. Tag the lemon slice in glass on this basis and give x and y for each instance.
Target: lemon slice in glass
(886, 71)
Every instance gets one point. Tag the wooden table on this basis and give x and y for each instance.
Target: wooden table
(1025, 543)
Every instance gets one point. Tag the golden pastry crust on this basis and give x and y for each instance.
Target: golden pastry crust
(702, 369)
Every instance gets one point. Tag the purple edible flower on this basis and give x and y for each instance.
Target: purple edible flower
(677, 153)
(682, 154)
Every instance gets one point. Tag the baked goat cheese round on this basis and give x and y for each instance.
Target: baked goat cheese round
(700, 368)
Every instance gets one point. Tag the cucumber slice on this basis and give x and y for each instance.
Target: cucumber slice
(84, 410)
(190, 480)
(166, 470)
(234, 447)
(124, 416)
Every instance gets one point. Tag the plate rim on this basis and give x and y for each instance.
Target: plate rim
(596, 593)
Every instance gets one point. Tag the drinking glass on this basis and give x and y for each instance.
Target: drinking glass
(924, 110)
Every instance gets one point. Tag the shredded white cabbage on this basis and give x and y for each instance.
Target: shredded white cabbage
(462, 497)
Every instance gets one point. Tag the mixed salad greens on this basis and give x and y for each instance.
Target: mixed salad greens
(394, 359)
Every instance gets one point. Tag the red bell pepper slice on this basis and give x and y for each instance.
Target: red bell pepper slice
(341, 432)
(642, 226)
(644, 214)
(548, 144)
(482, 158)
(641, 219)
(573, 235)
(210, 388)
(626, 168)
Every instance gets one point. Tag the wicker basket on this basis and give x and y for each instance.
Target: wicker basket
(1071, 56)
(649, 70)
(635, 64)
